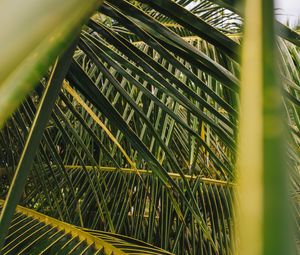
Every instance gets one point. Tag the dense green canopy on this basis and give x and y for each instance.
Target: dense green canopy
(142, 138)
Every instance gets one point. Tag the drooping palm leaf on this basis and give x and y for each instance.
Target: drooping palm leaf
(34, 233)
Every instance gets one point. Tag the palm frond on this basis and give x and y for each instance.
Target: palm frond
(35, 233)
(142, 137)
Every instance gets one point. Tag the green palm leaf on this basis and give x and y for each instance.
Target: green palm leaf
(34, 233)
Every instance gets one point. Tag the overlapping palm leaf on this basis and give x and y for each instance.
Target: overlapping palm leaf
(142, 140)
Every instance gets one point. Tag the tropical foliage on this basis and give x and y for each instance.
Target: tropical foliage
(142, 137)
(35, 233)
